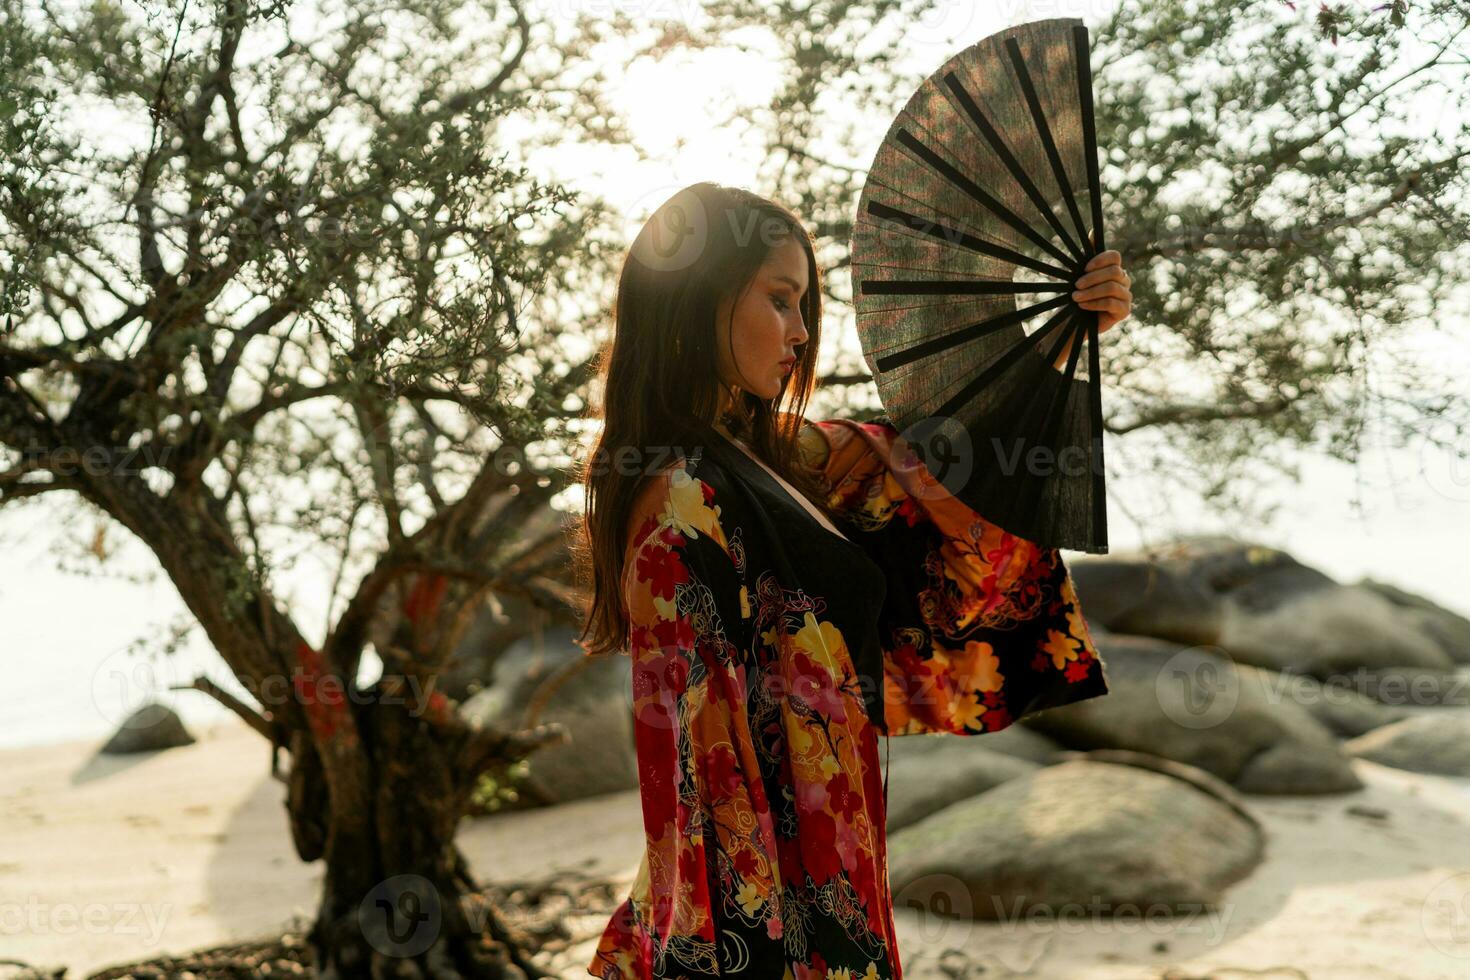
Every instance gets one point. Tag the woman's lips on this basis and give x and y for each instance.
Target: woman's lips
(787, 365)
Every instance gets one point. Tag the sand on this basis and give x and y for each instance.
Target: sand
(108, 860)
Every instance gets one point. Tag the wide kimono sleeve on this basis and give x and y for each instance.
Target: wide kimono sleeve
(980, 628)
(687, 621)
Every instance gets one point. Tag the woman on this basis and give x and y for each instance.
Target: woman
(786, 590)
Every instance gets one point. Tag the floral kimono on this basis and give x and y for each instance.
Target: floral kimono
(768, 653)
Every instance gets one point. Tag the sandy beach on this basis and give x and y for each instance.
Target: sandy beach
(109, 860)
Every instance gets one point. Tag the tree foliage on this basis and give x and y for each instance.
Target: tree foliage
(1290, 212)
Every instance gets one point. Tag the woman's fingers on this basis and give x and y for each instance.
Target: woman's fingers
(1102, 267)
(1105, 290)
(1111, 273)
(1118, 307)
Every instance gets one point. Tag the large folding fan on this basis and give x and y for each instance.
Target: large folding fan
(979, 213)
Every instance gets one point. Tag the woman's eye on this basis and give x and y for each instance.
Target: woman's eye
(780, 303)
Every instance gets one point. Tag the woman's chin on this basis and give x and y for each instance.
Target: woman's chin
(772, 390)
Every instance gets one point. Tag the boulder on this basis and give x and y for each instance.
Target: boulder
(149, 729)
(1133, 593)
(959, 767)
(1449, 629)
(502, 621)
(1023, 743)
(1431, 741)
(1264, 607)
(1400, 690)
(1082, 833)
(1013, 740)
(1194, 705)
(589, 696)
(1330, 631)
(1344, 710)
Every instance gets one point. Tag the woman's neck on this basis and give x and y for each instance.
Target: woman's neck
(728, 405)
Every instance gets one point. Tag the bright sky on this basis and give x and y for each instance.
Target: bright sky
(69, 634)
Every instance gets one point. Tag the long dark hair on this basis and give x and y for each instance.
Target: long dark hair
(659, 374)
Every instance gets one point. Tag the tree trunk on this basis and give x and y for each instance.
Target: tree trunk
(405, 904)
(379, 779)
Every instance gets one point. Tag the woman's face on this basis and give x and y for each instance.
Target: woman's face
(767, 327)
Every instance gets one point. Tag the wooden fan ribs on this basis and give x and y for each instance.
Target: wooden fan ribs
(973, 189)
(939, 345)
(1089, 133)
(972, 388)
(954, 236)
(1043, 131)
(1018, 173)
(944, 223)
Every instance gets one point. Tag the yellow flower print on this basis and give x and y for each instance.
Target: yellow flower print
(1076, 625)
(1063, 648)
(687, 510)
(799, 738)
(871, 973)
(625, 961)
(750, 898)
(968, 711)
(824, 642)
(977, 668)
(839, 973)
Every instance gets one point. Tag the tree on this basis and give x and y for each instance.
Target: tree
(306, 295)
(1335, 19)
(1290, 210)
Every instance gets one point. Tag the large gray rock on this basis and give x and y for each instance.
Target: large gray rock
(1449, 629)
(1410, 687)
(152, 727)
(1079, 834)
(1264, 607)
(1345, 711)
(504, 620)
(1198, 778)
(957, 768)
(1193, 705)
(1135, 593)
(592, 701)
(1013, 740)
(1329, 631)
(1432, 741)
